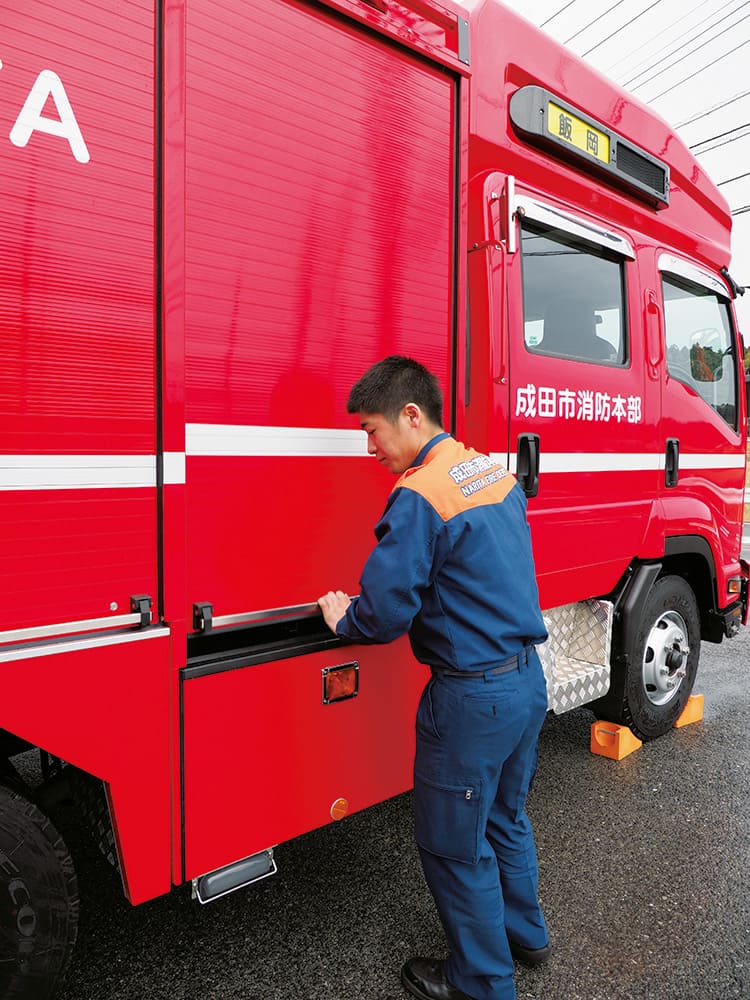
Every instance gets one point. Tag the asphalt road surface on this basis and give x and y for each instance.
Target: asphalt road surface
(644, 880)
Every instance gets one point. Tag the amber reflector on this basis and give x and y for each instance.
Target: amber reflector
(339, 809)
(340, 682)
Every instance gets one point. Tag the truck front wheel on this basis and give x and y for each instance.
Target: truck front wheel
(38, 902)
(657, 673)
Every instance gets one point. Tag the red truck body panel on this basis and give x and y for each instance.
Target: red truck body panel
(78, 402)
(216, 216)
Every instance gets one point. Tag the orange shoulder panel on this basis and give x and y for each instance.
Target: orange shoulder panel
(454, 479)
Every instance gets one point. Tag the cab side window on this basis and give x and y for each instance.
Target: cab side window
(573, 294)
(700, 345)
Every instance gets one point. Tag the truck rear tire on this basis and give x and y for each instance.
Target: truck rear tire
(38, 902)
(653, 681)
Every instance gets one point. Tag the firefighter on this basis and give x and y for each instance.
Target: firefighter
(453, 567)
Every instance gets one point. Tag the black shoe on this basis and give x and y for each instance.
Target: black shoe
(424, 978)
(530, 956)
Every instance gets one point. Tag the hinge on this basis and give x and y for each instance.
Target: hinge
(463, 41)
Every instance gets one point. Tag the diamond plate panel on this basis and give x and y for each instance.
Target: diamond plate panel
(575, 657)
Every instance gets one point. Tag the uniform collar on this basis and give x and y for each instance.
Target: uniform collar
(428, 447)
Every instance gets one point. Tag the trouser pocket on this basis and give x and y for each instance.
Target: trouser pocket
(426, 713)
(446, 818)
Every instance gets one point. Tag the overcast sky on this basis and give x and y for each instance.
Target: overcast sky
(689, 61)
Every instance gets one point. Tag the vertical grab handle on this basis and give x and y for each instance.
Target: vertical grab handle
(654, 333)
(496, 291)
(527, 464)
(672, 462)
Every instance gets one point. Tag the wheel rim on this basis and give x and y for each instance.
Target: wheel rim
(665, 658)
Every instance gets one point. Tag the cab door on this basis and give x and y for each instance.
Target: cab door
(583, 406)
(703, 427)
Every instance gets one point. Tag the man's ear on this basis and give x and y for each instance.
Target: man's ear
(413, 414)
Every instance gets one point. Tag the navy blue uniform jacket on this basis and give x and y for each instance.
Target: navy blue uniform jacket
(453, 564)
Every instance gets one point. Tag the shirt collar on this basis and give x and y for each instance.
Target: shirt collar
(430, 444)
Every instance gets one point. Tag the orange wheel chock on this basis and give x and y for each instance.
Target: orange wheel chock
(692, 712)
(613, 741)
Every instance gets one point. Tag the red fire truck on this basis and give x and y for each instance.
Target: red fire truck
(215, 217)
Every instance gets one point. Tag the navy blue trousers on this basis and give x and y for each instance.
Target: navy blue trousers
(476, 757)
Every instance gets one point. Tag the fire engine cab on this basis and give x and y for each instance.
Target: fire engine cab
(214, 219)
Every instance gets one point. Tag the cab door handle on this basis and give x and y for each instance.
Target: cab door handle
(672, 462)
(527, 463)
(654, 333)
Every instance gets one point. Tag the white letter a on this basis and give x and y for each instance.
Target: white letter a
(31, 120)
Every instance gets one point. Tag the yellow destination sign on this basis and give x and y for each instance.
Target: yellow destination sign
(579, 134)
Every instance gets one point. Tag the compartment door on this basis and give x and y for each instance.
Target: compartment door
(78, 504)
(266, 758)
(320, 227)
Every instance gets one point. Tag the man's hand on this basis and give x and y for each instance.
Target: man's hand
(333, 605)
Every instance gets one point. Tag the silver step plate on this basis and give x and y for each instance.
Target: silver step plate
(576, 656)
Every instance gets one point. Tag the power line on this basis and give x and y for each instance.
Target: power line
(691, 33)
(592, 23)
(655, 97)
(728, 142)
(621, 28)
(716, 107)
(599, 17)
(648, 61)
(557, 13)
(663, 69)
(730, 180)
(676, 62)
(721, 135)
(741, 211)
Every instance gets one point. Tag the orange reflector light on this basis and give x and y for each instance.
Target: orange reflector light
(340, 683)
(735, 585)
(339, 809)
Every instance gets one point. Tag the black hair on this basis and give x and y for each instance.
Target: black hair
(392, 383)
